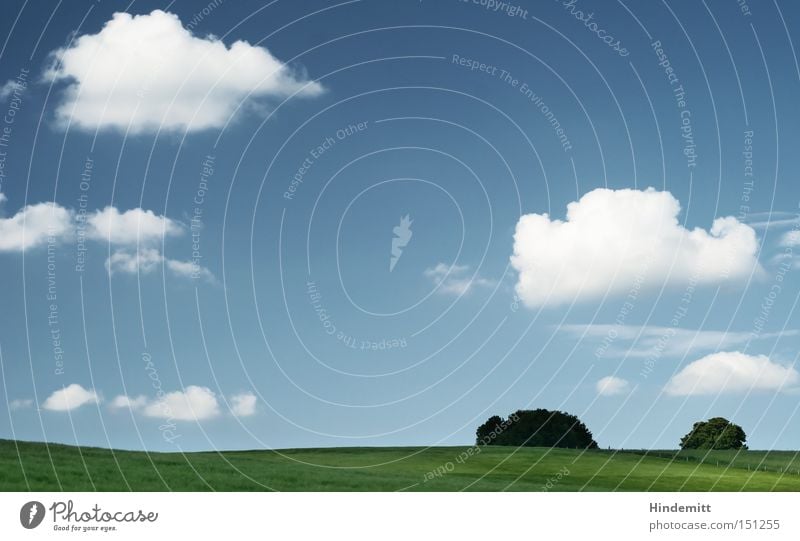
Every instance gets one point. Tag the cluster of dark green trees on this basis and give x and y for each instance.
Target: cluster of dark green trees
(536, 428)
(545, 428)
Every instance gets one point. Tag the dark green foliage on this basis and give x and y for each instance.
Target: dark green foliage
(716, 433)
(536, 428)
(493, 425)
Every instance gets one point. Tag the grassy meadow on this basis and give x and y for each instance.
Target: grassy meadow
(39, 467)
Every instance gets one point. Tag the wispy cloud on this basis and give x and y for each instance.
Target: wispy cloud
(643, 341)
(20, 403)
(125, 402)
(146, 260)
(779, 219)
(456, 279)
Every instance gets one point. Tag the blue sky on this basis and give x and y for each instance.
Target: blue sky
(199, 205)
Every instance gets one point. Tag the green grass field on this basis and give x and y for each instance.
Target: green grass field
(35, 466)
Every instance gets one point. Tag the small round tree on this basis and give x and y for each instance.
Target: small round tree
(536, 428)
(716, 433)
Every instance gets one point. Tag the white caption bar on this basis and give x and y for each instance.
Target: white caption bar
(388, 516)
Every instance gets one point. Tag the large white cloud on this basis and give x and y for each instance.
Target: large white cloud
(130, 227)
(731, 372)
(34, 225)
(615, 240)
(194, 403)
(70, 397)
(147, 71)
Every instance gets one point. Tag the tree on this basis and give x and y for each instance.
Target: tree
(487, 430)
(536, 428)
(716, 433)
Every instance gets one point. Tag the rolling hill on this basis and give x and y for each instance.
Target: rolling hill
(40, 467)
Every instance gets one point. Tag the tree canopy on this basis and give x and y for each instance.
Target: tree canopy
(536, 428)
(716, 433)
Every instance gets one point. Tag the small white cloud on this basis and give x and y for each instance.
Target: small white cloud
(147, 260)
(34, 226)
(453, 279)
(12, 87)
(189, 269)
(613, 239)
(193, 404)
(20, 403)
(612, 385)
(144, 261)
(45, 223)
(126, 402)
(791, 238)
(147, 72)
(727, 372)
(132, 227)
(70, 397)
(243, 404)
(41, 223)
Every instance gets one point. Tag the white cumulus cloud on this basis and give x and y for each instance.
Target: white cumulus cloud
(613, 239)
(70, 397)
(731, 372)
(34, 225)
(130, 227)
(44, 223)
(243, 404)
(612, 385)
(142, 72)
(195, 403)
(143, 228)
